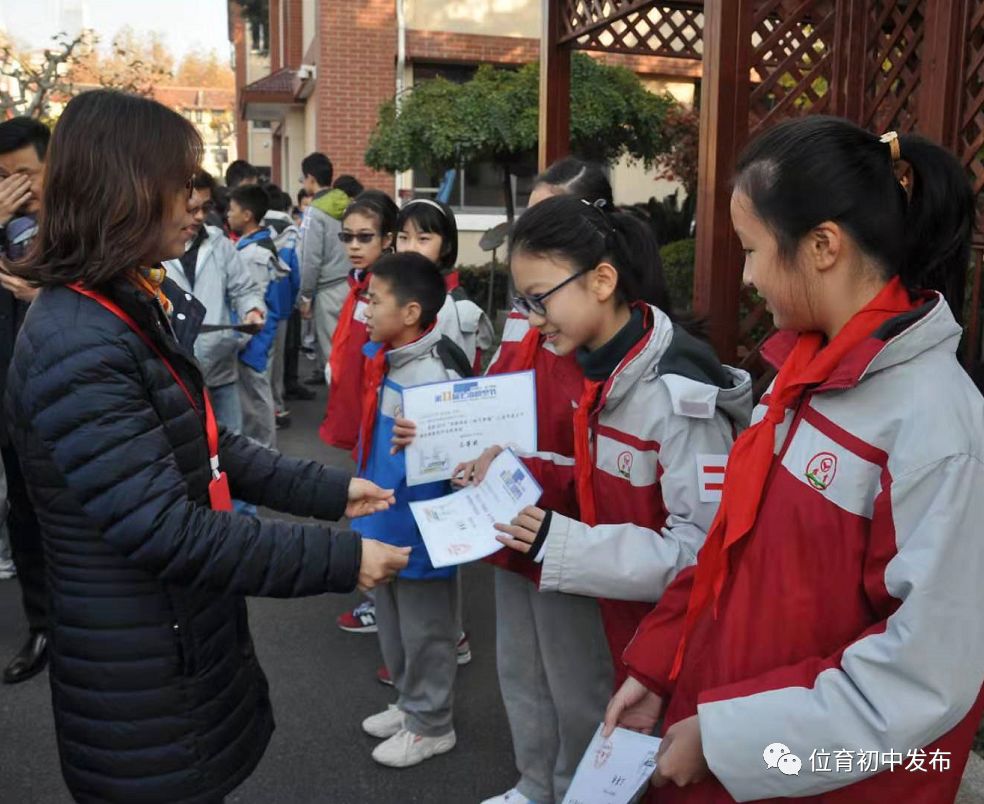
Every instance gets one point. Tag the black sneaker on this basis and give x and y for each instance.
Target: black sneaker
(282, 419)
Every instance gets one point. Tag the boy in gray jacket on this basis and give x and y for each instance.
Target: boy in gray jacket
(213, 272)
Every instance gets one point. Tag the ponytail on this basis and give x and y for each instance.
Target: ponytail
(813, 169)
(587, 234)
(938, 221)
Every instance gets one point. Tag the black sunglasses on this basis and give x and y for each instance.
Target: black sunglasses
(362, 237)
(534, 303)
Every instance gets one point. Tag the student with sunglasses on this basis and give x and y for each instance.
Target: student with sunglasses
(367, 233)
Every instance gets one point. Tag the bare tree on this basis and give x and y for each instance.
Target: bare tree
(29, 83)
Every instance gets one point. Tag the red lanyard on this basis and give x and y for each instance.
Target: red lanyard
(219, 487)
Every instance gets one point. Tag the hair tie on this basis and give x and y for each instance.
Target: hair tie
(891, 139)
(429, 202)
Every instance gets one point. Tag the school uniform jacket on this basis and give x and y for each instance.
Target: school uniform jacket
(465, 323)
(558, 388)
(226, 287)
(660, 435)
(417, 363)
(271, 274)
(850, 619)
(340, 427)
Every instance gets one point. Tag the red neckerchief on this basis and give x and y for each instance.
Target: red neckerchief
(372, 380)
(452, 281)
(810, 364)
(583, 461)
(356, 288)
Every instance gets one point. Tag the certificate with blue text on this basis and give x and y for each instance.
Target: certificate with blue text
(457, 420)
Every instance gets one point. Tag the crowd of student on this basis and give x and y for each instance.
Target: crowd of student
(807, 573)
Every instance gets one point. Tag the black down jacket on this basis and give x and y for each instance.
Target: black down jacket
(157, 694)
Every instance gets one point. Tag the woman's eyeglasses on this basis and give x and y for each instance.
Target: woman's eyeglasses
(362, 237)
(534, 303)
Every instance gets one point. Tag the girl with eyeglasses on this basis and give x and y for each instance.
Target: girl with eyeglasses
(654, 422)
(368, 226)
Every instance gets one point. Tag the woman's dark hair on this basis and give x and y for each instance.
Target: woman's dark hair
(20, 132)
(349, 185)
(413, 278)
(587, 234)
(576, 177)
(814, 169)
(318, 167)
(437, 218)
(375, 204)
(115, 165)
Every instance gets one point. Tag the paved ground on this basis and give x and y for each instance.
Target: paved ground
(322, 682)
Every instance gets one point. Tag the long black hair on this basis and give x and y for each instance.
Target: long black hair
(433, 217)
(587, 234)
(578, 178)
(814, 169)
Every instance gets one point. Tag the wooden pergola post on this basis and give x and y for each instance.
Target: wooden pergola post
(723, 130)
(555, 88)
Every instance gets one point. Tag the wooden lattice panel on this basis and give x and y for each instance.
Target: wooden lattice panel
(673, 29)
(791, 62)
(892, 64)
(970, 136)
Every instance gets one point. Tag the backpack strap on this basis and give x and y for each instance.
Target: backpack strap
(453, 358)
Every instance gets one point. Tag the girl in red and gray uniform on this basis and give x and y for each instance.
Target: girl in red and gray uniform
(827, 646)
(654, 410)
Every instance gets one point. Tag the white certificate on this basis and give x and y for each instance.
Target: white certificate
(457, 420)
(614, 769)
(460, 528)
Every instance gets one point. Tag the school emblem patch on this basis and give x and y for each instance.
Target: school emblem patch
(624, 464)
(821, 469)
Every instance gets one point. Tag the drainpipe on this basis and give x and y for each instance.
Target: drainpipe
(401, 63)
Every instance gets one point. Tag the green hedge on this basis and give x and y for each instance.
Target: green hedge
(678, 268)
(475, 281)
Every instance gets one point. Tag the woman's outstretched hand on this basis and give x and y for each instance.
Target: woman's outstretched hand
(380, 563)
(365, 498)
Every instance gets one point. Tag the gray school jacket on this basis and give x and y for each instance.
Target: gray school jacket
(223, 283)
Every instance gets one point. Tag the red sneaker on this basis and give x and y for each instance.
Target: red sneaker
(361, 620)
(383, 676)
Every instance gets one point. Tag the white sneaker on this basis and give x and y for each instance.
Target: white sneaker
(509, 797)
(385, 724)
(405, 748)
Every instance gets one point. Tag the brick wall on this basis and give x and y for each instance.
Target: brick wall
(293, 33)
(237, 35)
(356, 73)
(276, 53)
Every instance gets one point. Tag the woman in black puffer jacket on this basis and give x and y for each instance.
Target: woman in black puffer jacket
(157, 694)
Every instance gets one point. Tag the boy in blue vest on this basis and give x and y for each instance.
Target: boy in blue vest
(416, 614)
(248, 204)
